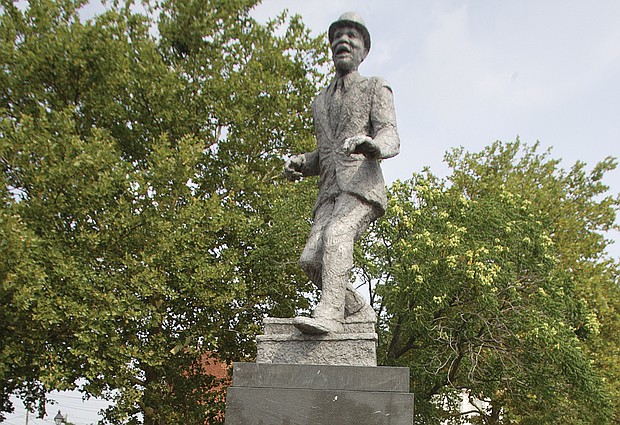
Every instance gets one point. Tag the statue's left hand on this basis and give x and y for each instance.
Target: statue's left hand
(293, 167)
(360, 144)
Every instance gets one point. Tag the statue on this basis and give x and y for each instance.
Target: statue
(322, 369)
(355, 126)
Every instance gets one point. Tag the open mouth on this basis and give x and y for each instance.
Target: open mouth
(342, 50)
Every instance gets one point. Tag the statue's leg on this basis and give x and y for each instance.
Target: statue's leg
(355, 303)
(349, 218)
(337, 225)
(311, 259)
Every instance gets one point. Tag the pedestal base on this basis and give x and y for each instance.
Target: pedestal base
(277, 394)
(283, 343)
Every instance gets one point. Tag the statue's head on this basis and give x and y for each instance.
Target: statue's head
(350, 42)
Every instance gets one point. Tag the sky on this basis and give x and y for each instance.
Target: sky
(69, 403)
(468, 73)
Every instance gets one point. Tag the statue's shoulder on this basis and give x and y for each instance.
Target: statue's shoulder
(322, 93)
(369, 85)
(380, 82)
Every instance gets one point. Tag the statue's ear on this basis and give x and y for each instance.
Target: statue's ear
(365, 54)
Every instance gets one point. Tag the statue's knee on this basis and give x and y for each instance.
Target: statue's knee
(337, 235)
(308, 263)
(313, 269)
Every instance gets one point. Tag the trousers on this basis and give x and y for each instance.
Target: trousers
(327, 257)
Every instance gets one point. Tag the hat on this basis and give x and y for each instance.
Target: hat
(350, 19)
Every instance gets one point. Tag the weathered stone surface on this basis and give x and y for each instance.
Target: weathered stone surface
(278, 406)
(318, 370)
(278, 326)
(318, 395)
(355, 127)
(340, 349)
(321, 377)
(285, 344)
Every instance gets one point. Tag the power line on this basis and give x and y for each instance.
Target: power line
(80, 411)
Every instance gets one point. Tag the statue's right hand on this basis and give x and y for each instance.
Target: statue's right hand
(293, 167)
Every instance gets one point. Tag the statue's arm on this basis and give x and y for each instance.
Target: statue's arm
(383, 141)
(303, 165)
(383, 122)
(311, 164)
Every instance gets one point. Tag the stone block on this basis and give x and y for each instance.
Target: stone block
(320, 377)
(264, 394)
(278, 326)
(282, 343)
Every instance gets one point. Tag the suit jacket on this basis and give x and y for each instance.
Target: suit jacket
(367, 109)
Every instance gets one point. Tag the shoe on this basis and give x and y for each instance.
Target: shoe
(314, 326)
(366, 314)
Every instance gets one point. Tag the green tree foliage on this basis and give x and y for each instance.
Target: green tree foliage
(494, 285)
(144, 221)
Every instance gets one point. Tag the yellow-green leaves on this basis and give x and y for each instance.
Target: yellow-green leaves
(144, 218)
(489, 285)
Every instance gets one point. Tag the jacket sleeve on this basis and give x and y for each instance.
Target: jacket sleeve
(383, 121)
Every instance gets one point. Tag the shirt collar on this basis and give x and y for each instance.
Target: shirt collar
(347, 81)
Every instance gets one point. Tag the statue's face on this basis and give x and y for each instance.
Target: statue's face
(348, 49)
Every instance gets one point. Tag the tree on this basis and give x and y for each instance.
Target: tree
(493, 284)
(144, 221)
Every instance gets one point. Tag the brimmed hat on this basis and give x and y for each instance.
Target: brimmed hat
(350, 19)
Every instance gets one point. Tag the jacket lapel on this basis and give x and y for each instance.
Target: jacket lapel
(349, 99)
(349, 103)
(322, 113)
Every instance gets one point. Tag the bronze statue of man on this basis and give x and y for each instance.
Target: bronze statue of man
(355, 126)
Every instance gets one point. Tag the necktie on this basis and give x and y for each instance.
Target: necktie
(336, 104)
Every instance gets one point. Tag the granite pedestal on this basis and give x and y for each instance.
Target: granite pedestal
(287, 394)
(282, 343)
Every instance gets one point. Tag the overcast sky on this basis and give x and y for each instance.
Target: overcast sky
(467, 73)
